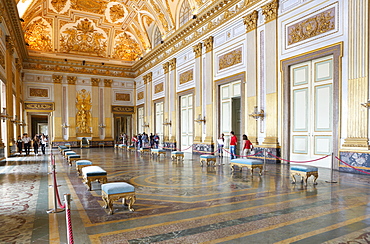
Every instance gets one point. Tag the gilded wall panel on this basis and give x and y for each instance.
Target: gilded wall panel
(37, 92)
(311, 27)
(123, 97)
(140, 95)
(158, 88)
(230, 59)
(186, 76)
(123, 109)
(39, 106)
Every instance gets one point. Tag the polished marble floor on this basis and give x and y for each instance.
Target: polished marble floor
(181, 203)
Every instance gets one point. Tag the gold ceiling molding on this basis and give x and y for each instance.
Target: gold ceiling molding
(39, 106)
(160, 16)
(92, 6)
(313, 26)
(126, 48)
(123, 97)
(140, 95)
(270, 11)
(250, 21)
(71, 80)
(9, 44)
(108, 82)
(172, 64)
(208, 43)
(186, 76)
(95, 81)
(116, 12)
(230, 59)
(197, 49)
(58, 5)
(38, 92)
(38, 35)
(57, 78)
(166, 67)
(158, 88)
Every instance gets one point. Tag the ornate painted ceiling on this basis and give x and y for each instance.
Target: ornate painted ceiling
(99, 30)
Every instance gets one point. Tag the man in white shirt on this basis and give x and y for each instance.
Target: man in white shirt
(26, 143)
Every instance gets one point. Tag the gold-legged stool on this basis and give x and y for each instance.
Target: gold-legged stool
(118, 190)
(304, 172)
(81, 164)
(144, 150)
(249, 163)
(177, 155)
(207, 159)
(94, 173)
(158, 152)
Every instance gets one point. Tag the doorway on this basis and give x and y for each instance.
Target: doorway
(187, 122)
(39, 125)
(122, 125)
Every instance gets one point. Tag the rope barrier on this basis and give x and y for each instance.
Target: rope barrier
(299, 162)
(67, 200)
(352, 166)
(242, 156)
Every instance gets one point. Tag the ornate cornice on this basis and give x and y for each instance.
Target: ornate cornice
(208, 43)
(166, 67)
(71, 80)
(197, 49)
(270, 11)
(250, 21)
(172, 64)
(95, 81)
(108, 82)
(9, 44)
(57, 78)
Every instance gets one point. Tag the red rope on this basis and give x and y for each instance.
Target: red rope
(57, 192)
(69, 223)
(299, 162)
(241, 156)
(352, 166)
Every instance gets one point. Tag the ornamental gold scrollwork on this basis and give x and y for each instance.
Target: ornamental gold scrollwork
(2, 59)
(92, 6)
(37, 92)
(126, 48)
(230, 59)
(58, 4)
(95, 81)
(123, 109)
(158, 88)
(117, 12)
(38, 35)
(250, 21)
(71, 80)
(83, 116)
(57, 78)
(123, 97)
(140, 95)
(208, 43)
(39, 106)
(197, 49)
(186, 76)
(270, 11)
(108, 82)
(313, 26)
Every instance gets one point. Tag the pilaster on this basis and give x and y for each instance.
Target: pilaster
(57, 113)
(198, 91)
(96, 99)
(209, 89)
(107, 114)
(71, 112)
(173, 100)
(166, 131)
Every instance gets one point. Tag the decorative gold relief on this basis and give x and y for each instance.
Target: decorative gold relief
(123, 109)
(250, 21)
(71, 80)
(172, 64)
(39, 106)
(85, 38)
(197, 49)
(57, 78)
(160, 15)
(95, 81)
(313, 26)
(108, 82)
(116, 12)
(9, 44)
(148, 77)
(208, 43)
(230, 59)
(83, 116)
(18, 64)
(140, 95)
(92, 6)
(158, 88)
(166, 67)
(126, 48)
(141, 38)
(270, 11)
(2, 59)
(123, 97)
(38, 35)
(186, 76)
(37, 92)
(58, 4)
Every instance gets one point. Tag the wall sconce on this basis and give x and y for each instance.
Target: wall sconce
(65, 126)
(102, 126)
(15, 120)
(200, 120)
(22, 123)
(145, 124)
(366, 105)
(4, 116)
(256, 114)
(166, 122)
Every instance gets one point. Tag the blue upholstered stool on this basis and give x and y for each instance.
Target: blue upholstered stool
(177, 155)
(73, 157)
(93, 173)
(61, 148)
(305, 172)
(157, 152)
(144, 150)
(63, 151)
(68, 145)
(207, 158)
(116, 190)
(122, 146)
(82, 163)
(249, 163)
(131, 148)
(66, 154)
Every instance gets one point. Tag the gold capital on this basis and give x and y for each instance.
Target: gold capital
(71, 80)
(95, 81)
(108, 82)
(173, 64)
(197, 49)
(208, 43)
(270, 11)
(9, 44)
(250, 21)
(166, 67)
(57, 78)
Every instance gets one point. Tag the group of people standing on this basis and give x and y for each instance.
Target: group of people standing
(37, 142)
(246, 149)
(145, 140)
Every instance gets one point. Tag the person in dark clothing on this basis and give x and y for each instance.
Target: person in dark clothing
(36, 144)
(19, 145)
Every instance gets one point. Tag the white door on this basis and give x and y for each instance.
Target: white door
(312, 111)
(140, 120)
(159, 120)
(187, 122)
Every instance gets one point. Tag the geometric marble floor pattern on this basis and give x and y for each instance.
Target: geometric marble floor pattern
(181, 203)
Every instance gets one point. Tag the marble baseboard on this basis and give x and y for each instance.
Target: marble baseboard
(259, 154)
(170, 146)
(355, 159)
(203, 148)
(77, 143)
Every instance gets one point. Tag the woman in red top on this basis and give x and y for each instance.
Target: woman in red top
(247, 146)
(233, 143)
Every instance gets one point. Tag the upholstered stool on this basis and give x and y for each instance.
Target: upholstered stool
(305, 172)
(73, 157)
(144, 150)
(122, 146)
(207, 158)
(66, 154)
(116, 190)
(249, 163)
(63, 151)
(157, 152)
(93, 173)
(101, 144)
(131, 148)
(68, 145)
(61, 148)
(82, 163)
(177, 155)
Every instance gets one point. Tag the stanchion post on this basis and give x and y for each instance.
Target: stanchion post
(67, 201)
(332, 170)
(264, 160)
(53, 175)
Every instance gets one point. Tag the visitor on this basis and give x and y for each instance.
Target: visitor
(233, 143)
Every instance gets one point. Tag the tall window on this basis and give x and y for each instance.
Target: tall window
(157, 38)
(140, 119)
(185, 13)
